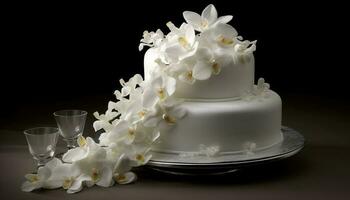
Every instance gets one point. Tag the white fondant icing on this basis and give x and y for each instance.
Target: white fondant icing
(233, 80)
(227, 124)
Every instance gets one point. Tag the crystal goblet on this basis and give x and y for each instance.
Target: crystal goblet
(42, 143)
(71, 125)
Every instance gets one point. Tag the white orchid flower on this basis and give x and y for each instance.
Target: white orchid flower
(187, 76)
(69, 177)
(135, 112)
(131, 85)
(158, 89)
(185, 70)
(139, 155)
(208, 19)
(91, 160)
(221, 36)
(123, 131)
(181, 42)
(151, 39)
(103, 120)
(116, 149)
(209, 63)
(261, 88)
(35, 181)
(122, 173)
(129, 133)
(164, 114)
(99, 172)
(87, 149)
(40, 180)
(243, 51)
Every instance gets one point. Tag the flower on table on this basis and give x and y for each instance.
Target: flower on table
(86, 150)
(92, 160)
(39, 180)
(122, 173)
(99, 173)
(69, 177)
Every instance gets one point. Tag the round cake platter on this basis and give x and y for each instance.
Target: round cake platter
(176, 164)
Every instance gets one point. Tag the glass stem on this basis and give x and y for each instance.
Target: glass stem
(71, 142)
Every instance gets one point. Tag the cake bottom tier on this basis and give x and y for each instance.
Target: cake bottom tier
(227, 125)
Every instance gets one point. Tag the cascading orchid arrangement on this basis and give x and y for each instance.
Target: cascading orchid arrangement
(146, 108)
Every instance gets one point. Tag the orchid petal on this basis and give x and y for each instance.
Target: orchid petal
(204, 54)
(226, 30)
(126, 178)
(224, 19)
(30, 176)
(202, 70)
(151, 122)
(122, 126)
(137, 78)
(53, 163)
(174, 51)
(193, 19)
(210, 14)
(179, 112)
(123, 165)
(157, 82)
(77, 185)
(187, 77)
(28, 186)
(149, 98)
(190, 34)
(170, 85)
(99, 124)
(53, 184)
(75, 154)
(125, 91)
(44, 172)
(106, 179)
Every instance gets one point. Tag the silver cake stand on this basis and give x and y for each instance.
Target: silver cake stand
(292, 143)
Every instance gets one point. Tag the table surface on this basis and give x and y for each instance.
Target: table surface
(320, 171)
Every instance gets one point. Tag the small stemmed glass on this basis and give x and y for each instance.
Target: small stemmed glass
(71, 125)
(42, 143)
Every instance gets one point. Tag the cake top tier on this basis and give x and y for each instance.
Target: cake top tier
(198, 49)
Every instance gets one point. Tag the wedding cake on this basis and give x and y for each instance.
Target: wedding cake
(214, 72)
(198, 98)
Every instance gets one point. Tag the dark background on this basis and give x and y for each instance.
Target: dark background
(59, 56)
(64, 55)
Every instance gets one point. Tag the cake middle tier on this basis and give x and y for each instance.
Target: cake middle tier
(229, 125)
(233, 80)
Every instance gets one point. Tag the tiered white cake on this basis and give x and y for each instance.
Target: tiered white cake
(225, 110)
